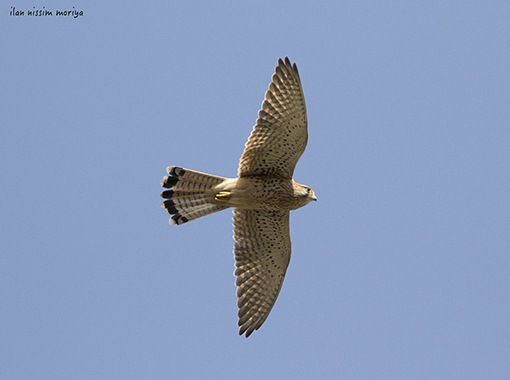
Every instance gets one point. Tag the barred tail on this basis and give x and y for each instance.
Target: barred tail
(186, 198)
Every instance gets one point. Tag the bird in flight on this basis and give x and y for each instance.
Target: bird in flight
(262, 196)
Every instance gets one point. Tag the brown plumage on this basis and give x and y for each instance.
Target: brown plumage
(261, 196)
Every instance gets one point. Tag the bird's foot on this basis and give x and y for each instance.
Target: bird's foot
(222, 196)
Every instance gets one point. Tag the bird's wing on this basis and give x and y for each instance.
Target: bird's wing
(280, 134)
(262, 253)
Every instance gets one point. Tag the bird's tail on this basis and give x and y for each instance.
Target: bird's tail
(186, 198)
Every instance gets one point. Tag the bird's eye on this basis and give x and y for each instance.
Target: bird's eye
(309, 190)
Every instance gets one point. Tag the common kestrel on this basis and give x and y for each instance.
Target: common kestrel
(262, 196)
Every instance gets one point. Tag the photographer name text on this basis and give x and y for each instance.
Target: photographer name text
(44, 12)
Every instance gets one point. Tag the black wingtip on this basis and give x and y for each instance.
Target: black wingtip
(286, 62)
(247, 331)
(294, 66)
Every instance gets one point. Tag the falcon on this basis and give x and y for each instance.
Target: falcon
(262, 196)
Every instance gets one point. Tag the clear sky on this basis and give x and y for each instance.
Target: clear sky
(399, 271)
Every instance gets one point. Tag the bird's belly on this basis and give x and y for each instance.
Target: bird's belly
(256, 193)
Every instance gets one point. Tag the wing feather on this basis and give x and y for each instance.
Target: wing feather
(280, 134)
(262, 253)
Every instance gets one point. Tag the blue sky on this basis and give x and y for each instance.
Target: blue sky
(399, 271)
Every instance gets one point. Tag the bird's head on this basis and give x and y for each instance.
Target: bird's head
(305, 193)
(310, 194)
